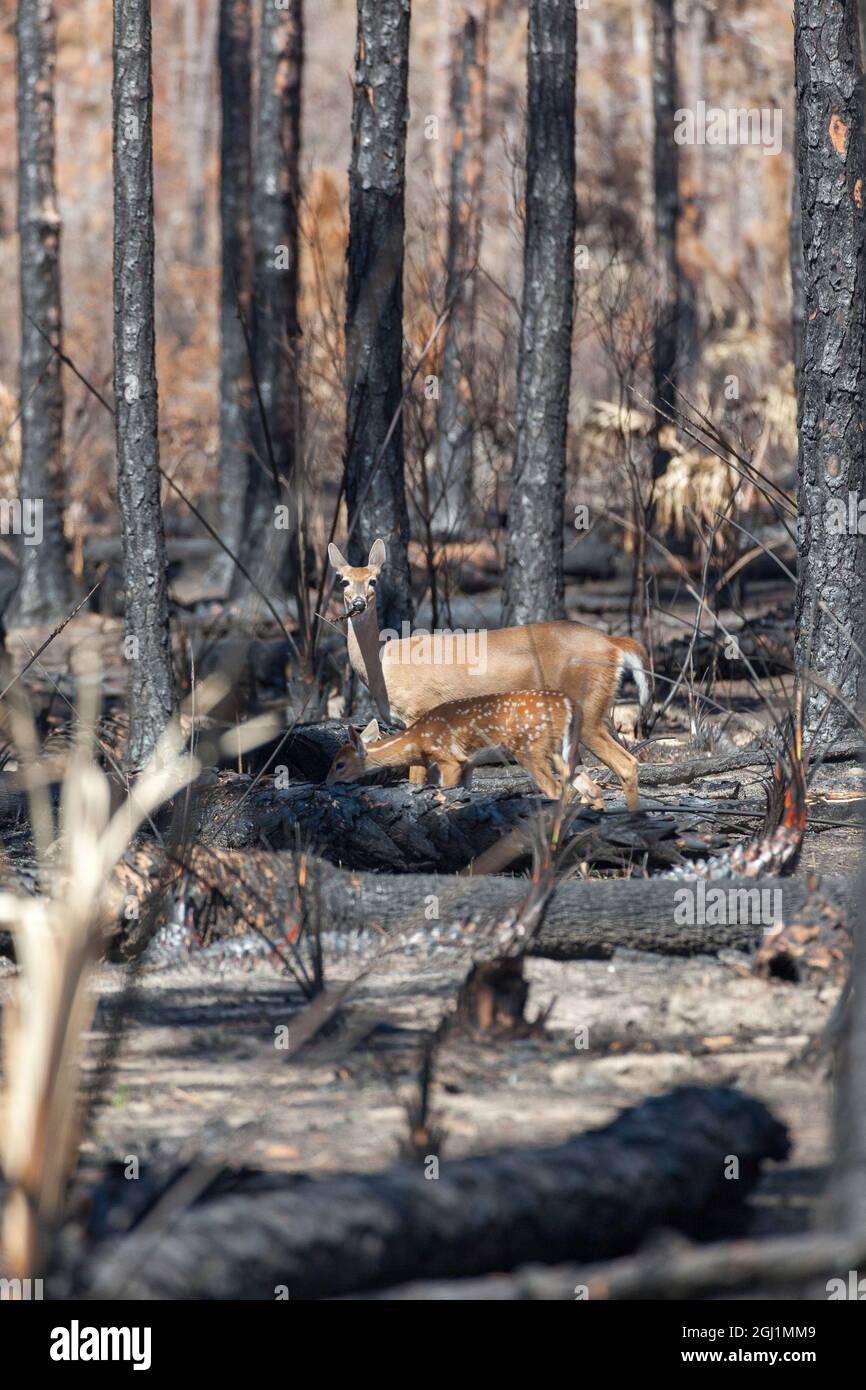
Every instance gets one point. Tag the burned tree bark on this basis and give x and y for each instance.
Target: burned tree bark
(798, 308)
(534, 588)
(235, 45)
(270, 547)
(375, 490)
(237, 892)
(456, 407)
(846, 1205)
(659, 1164)
(830, 617)
(148, 644)
(667, 208)
(43, 590)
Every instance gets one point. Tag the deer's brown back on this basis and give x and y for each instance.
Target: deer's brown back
(531, 719)
(563, 657)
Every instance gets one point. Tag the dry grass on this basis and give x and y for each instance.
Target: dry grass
(10, 442)
(59, 937)
(694, 485)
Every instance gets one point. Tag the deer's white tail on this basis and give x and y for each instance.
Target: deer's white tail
(632, 661)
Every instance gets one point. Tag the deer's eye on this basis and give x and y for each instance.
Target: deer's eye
(338, 767)
(345, 583)
(371, 583)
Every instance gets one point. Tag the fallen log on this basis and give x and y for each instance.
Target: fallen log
(766, 646)
(402, 828)
(237, 892)
(673, 774)
(663, 1164)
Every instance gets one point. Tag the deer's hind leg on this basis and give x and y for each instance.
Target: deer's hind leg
(450, 773)
(539, 769)
(417, 774)
(622, 763)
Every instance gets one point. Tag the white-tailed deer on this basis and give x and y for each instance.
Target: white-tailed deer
(409, 676)
(537, 726)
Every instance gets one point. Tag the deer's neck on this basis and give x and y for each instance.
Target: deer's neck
(363, 642)
(395, 751)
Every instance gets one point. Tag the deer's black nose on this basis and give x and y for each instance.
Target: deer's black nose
(358, 605)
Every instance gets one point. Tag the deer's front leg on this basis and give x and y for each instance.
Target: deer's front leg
(417, 774)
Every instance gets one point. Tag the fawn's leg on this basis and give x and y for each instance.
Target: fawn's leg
(539, 770)
(449, 773)
(619, 760)
(417, 774)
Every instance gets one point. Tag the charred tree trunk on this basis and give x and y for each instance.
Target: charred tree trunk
(375, 489)
(798, 310)
(148, 644)
(453, 486)
(667, 207)
(830, 618)
(43, 590)
(846, 1205)
(270, 549)
(534, 588)
(235, 47)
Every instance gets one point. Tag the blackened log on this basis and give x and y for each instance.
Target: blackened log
(375, 490)
(270, 545)
(662, 1164)
(830, 614)
(44, 592)
(533, 589)
(238, 892)
(766, 645)
(403, 828)
(667, 210)
(235, 48)
(452, 487)
(148, 645)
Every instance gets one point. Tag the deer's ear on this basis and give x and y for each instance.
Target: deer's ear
(336, 558)
(371, 733)
(355, 740)
(378, 554)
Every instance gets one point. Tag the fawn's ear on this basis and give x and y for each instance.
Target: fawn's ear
(371, 733)
(356, 741)
(378, 554)
(336, 558)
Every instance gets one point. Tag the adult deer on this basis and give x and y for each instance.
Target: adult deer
(410, 675)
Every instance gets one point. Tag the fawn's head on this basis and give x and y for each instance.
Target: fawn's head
(358, 582)
(351, 761)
